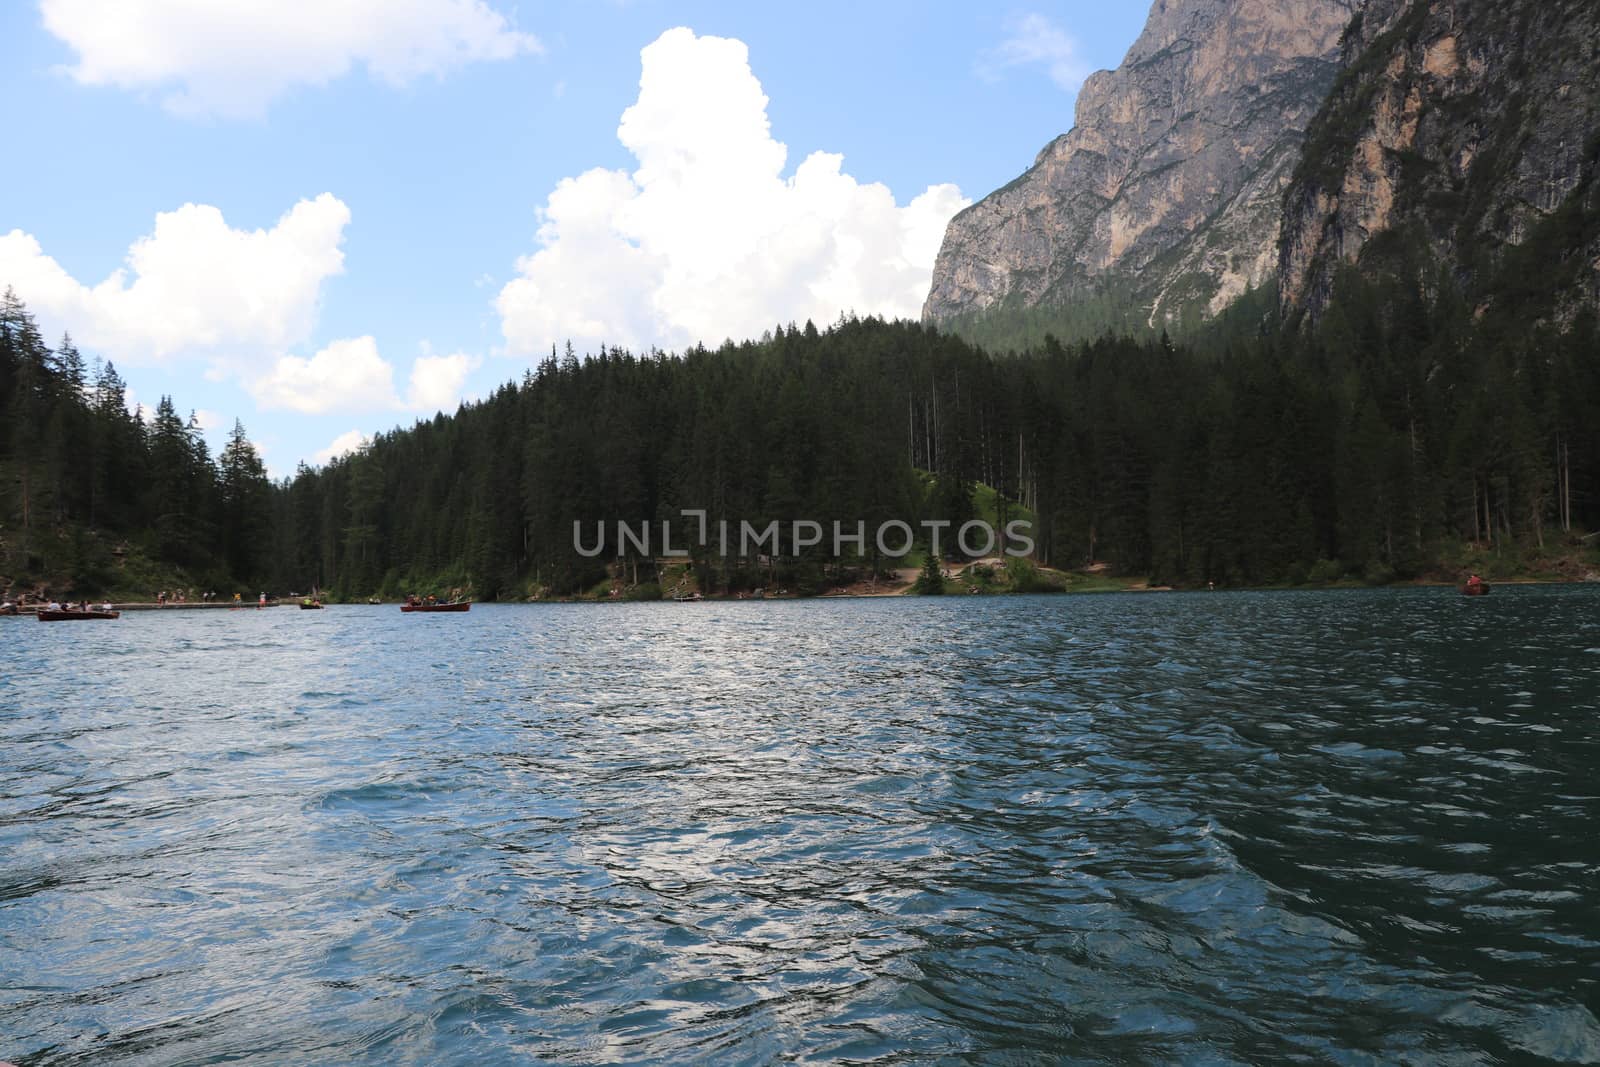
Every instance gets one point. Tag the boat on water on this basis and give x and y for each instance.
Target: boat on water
(688, 598)
(63, 615)
(1475, 589)
(459, 605)
(310, 604)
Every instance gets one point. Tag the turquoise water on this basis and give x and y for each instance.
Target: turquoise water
(1353, 827)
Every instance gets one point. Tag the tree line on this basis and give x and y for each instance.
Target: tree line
(84, 480)
(1405, 425)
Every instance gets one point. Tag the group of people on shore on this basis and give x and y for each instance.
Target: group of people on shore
(165, 599)
(183, 596)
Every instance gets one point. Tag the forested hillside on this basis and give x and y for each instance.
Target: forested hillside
(96, 499)
(1378, 446)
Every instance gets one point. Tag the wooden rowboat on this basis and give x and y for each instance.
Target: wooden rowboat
(77, 616)
(462, 606)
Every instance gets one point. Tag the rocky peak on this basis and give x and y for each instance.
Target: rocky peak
(1170, 183)
(1458, 128)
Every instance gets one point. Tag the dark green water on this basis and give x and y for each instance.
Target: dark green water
(1347, 827)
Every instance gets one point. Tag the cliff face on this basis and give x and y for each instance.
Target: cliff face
(1458, 131)
(1171, 182)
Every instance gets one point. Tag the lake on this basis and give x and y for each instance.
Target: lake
(1352, 827)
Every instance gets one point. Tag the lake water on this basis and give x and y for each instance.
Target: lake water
(1359, 827)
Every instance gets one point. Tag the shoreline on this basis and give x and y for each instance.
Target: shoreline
(150, 605)
(1133, 586)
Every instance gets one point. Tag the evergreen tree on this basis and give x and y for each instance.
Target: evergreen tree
(246, 496)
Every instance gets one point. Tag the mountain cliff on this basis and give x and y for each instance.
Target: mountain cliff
(1169, 186)
(1459, 143)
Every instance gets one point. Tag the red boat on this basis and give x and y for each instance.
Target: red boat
(1479, 588)
(76, 616)
(462, 606)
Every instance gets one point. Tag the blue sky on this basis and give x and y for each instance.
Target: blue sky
(389, 212)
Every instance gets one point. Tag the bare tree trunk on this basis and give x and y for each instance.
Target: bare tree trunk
(911, 430)
(26, 513)
(1564, 483)
(1566, 487)
(1416, 497)
(1476, 526)
(927, 435)
(1488, 513)
(1019, 466)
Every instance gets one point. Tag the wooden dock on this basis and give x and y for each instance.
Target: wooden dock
(248, 605)
(218, 605)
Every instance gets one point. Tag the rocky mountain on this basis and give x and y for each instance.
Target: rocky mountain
(1169, 187)
(1461, 140)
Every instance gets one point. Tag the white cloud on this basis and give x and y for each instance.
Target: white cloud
(197, 290)
(707, 239)
(194, 285)
(1036, 41)
(346, 443)
(347, 375)
(233, 59)
(436, 381)
(136, 409)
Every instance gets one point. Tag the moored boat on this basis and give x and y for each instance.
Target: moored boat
(62, 615)
(462, 605)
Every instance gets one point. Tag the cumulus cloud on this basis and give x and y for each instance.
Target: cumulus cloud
(437, 381)
(346, 443)
(194, 285)
(238, 300)
(349, 375)
(1035, 41)
(137, 409)
(231, 60)
(707, 239)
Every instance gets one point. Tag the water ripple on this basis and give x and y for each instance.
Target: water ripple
(1348, 827)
